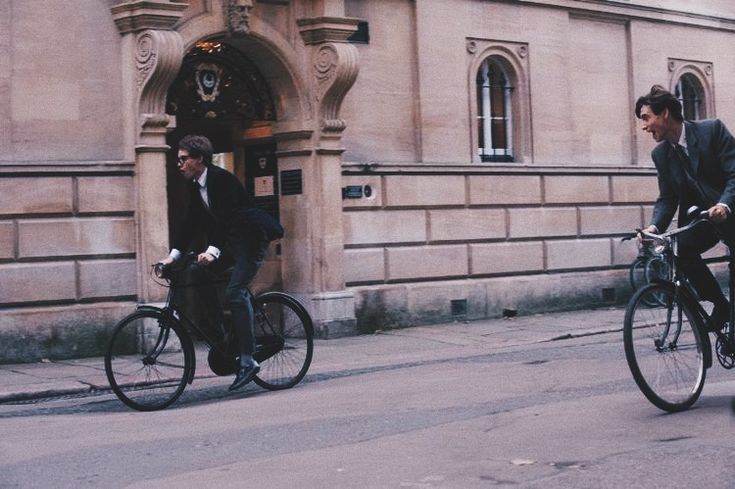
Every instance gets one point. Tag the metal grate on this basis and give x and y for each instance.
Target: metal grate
(291, 182)
(459, 307)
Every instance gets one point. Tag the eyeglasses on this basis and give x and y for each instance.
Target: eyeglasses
(183, 159)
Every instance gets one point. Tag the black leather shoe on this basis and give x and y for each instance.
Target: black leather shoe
(720, 315)
(245, 373)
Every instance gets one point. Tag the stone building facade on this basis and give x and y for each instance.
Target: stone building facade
(429, 159)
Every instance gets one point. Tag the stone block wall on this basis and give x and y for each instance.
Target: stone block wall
(68, 245)
(488, 231)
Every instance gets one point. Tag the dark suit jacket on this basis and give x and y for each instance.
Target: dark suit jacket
(227, 200)
(711, 150)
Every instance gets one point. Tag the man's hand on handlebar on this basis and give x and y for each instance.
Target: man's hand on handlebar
(161, 268)
(718, 213)
(649, 229)
(205, 259)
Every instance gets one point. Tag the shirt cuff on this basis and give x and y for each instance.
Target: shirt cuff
(174, 254)
(214, 251)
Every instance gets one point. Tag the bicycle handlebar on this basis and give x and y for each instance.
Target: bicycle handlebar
(163, 270)
(701, 216)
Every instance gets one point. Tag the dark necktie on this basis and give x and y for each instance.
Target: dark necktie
(201, 188)
(694, 184)
(686, 163)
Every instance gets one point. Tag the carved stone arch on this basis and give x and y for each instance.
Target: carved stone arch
(513, 57)
(276, 59)
(703, 73)
(278, 64)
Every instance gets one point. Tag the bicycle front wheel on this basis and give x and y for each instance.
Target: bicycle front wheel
(664, 348)
(148, 361)
(284, 341)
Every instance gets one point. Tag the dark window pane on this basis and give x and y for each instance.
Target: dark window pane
(499, 134)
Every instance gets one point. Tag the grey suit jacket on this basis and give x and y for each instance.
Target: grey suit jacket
(711, 150)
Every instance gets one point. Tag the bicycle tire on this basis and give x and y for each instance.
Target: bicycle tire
(284, 340)
(149, 360)
(664, 348)
(637, 273)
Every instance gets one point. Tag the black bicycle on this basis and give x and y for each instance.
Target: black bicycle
(667, 346)
(150, 357)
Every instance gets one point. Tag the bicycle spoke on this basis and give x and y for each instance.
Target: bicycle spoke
(146, 364)
(282, 319)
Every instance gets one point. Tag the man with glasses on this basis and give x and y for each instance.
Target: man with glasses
(219, 209)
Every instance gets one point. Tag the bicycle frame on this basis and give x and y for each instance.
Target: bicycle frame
(266, 346)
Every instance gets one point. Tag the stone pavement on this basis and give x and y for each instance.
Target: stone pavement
(51, 378)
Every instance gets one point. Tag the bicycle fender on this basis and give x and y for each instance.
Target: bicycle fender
(290, 298)
(183, 336)
(687, 296)
(707, 344)
(148, 307)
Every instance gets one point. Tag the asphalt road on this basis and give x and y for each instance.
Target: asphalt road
(560, 414)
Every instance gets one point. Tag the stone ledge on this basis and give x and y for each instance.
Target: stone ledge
(82, 330)
(403, 305)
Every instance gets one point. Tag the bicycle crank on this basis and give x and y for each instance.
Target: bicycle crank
(725, 352)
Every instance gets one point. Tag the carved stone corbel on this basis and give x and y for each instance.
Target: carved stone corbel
(335, 68)
(158, 58)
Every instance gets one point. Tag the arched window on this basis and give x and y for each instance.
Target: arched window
(494, 112)
(690, 93)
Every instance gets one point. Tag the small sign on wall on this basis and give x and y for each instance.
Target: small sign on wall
(263, 186)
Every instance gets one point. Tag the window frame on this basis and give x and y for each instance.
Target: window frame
(700, 73)
(512, 58)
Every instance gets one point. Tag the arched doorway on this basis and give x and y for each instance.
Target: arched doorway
(220, 93)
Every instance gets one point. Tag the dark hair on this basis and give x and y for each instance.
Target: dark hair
(659, 99)
(198, 147)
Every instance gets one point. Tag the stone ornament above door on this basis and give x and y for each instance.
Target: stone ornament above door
(237, 16)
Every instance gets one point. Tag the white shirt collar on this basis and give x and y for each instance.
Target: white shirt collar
(683, 137)
(202, 180)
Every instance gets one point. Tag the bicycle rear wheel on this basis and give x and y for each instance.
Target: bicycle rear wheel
(664, 348)
(148, 361)
(284, 340)
(657, 269)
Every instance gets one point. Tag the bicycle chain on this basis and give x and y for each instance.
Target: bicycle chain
(725, 352)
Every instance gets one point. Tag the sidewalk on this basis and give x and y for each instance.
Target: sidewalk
(382, 349)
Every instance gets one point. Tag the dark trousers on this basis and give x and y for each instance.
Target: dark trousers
(248, 260)
(692, 244)
(245, 257)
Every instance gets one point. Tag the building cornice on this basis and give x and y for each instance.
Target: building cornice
(319, 30)
(140, 15)
(627, 10)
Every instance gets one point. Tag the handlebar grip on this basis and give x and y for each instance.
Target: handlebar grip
(161, 270)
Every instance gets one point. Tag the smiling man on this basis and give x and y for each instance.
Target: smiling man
(695, 161)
